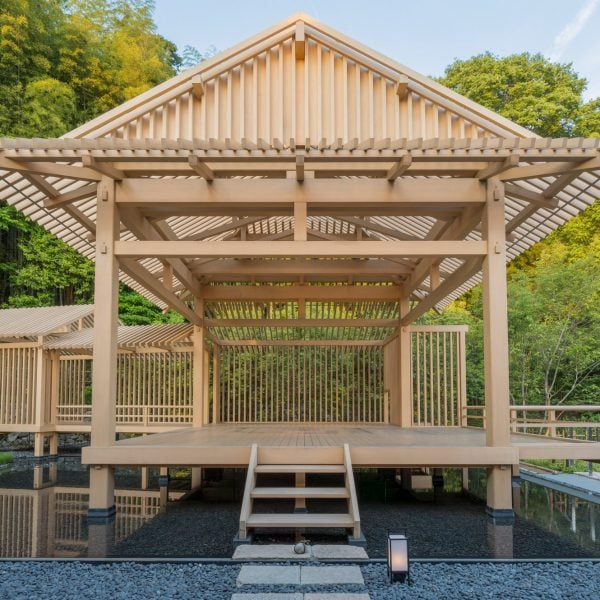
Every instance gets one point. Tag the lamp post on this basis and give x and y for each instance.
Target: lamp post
(397, 557)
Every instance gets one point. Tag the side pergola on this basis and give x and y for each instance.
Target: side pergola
(302, 170)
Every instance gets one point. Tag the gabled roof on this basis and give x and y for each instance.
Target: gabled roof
(298, 91)
(34, 322)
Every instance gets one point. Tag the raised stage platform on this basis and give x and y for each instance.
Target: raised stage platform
(371, 445)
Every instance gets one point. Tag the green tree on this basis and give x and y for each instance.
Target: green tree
(530, 90)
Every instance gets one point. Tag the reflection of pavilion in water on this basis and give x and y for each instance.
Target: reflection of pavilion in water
(559, 513)
(51, 521)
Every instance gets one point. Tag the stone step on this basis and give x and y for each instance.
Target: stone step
(299, 575)
(297, 520)
(314, 468)
(285, 552)
(299, 596)
(299, 492)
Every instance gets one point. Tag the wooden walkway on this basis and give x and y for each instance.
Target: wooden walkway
(370, 444)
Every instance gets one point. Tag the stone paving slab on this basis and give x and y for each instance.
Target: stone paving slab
(268, 596)
(268, 575)
(339, 574)
(269, 552)
(339, 552)
(337, 597)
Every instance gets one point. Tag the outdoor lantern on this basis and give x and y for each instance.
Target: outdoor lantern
(397, 557)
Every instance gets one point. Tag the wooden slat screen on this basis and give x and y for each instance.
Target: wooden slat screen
(439, 376)
(18, 367)
(153, 388)
(262, 384)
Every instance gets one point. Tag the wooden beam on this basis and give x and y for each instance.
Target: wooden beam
(552, 168)
(200, 168)
(155, 286)
(299, 41)
(80, 217)
(462, 274)
(291, 267)
(144, 230)
(301, 293)
(559, 184)
(295, 343)
(497, 168)
(458, 229)
(197, 86)
(277, 196)
(401, 87)
(50, 169)
(41, 184)
(104, 168)
(231, 226)
(539, 200)
(304, 323)
(370, 225)
(399, 168)
(86, 191)
(343, 249)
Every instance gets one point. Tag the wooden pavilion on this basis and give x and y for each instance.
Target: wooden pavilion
(302, 200)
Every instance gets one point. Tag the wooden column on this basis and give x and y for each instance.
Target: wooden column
(495, 333)
(216, 391)
(206, 387)
(40, 391)
(198, 368)
(404, 352)
(104, 386)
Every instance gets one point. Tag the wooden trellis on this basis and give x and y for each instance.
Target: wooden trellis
(302, 383)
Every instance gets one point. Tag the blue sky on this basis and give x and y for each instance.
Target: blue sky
(425, 35)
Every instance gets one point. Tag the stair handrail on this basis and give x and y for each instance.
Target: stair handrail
(250, 484)
(352, 500)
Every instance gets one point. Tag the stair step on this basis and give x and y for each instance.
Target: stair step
(299, 492)
(300, 469)
(300, 520)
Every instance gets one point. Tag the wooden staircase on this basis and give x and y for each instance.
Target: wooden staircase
(299, 463)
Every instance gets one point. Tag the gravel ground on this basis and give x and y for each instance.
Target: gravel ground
(80, 581)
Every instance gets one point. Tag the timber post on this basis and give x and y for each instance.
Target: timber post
(104, 386)
(495, 332)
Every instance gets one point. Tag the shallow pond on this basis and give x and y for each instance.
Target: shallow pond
(51, 521)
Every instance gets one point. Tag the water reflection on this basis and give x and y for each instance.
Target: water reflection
(50, 520)
(43, 513)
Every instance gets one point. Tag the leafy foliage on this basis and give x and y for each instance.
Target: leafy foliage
(528, 89)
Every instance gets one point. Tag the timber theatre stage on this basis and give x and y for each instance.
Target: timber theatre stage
(302, 200)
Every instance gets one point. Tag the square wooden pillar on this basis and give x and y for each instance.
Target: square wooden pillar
(216, 388)
(405, 370)
(104, 385)
(198, 369)
(495, 333)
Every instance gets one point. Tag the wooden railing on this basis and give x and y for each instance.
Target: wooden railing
(546, 419)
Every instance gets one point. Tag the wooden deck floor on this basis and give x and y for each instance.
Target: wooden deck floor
(370, 445)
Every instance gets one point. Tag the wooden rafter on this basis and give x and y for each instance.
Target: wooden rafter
(156, 287)
(143, 229)
(103, 168)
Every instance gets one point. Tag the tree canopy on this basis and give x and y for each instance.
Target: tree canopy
(541, 95)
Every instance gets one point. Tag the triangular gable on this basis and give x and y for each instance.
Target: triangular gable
(301, 82)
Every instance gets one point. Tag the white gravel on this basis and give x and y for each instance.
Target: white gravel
(430, 581)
